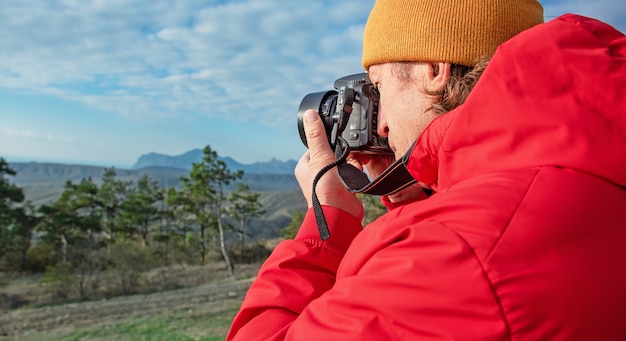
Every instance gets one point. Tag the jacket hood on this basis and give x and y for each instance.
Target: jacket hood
(554, 95)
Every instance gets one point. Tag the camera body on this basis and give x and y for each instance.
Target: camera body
(349, 112)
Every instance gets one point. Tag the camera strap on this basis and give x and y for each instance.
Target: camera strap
(341, 155)
(395, 178)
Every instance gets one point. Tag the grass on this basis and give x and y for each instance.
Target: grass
(174, 326)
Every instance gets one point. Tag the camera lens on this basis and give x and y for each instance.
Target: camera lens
(324, 103)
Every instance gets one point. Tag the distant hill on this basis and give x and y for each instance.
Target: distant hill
(185, 160)
(44, 180)
(280, 195)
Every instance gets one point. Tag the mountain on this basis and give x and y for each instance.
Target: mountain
(185, 160)
(182, 161)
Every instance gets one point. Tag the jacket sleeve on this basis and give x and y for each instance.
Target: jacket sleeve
(407, 279)
(297, 272)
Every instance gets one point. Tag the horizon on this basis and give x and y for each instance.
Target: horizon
(122, 166)
(77, 87)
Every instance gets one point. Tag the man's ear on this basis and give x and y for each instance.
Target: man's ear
(438, 76)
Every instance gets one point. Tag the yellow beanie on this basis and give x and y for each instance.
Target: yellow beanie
(453, 31)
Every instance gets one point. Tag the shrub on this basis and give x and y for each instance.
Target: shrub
(61, 278)
(252, 253)
(41, 256)
(128, 261)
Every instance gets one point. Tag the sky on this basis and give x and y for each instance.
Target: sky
(102, 82)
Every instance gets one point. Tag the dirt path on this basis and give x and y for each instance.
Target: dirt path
(216, 296)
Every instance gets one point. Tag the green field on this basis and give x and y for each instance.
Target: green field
(177, 326)
(202, 312)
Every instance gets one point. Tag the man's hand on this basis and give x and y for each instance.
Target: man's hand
(330, 191)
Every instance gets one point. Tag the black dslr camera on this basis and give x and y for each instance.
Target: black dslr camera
(350, 113)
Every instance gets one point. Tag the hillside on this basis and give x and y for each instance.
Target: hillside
(41, 180)
(280, 195)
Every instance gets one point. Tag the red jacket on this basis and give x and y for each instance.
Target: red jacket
(525, 238)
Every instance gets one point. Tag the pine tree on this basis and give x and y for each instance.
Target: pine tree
(203, 196)
(140, 209)
(244, 205)
(21, 234)
(111, 195)
(16, 218)
(74, 219)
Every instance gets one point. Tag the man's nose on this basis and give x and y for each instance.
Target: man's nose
(382, 129)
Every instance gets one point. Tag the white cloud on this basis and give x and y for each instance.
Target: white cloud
(18, 132)
(248, 60)
(251, 59)
(29, 134)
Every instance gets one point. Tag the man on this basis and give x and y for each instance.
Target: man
(524, 235)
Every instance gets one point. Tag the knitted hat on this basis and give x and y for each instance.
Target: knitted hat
(453, 31)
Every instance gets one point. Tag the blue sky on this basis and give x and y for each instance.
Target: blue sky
(105, 81)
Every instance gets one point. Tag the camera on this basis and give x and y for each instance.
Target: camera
(350, 113)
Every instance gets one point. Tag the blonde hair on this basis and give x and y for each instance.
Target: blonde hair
(461, 82)
(458, 87)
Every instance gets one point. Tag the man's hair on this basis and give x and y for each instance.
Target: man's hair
(461, 82)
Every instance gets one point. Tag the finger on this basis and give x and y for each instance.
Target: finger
(304, 177)
(317, 140)
(376, 165)
(361, 157)
(355, 162)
